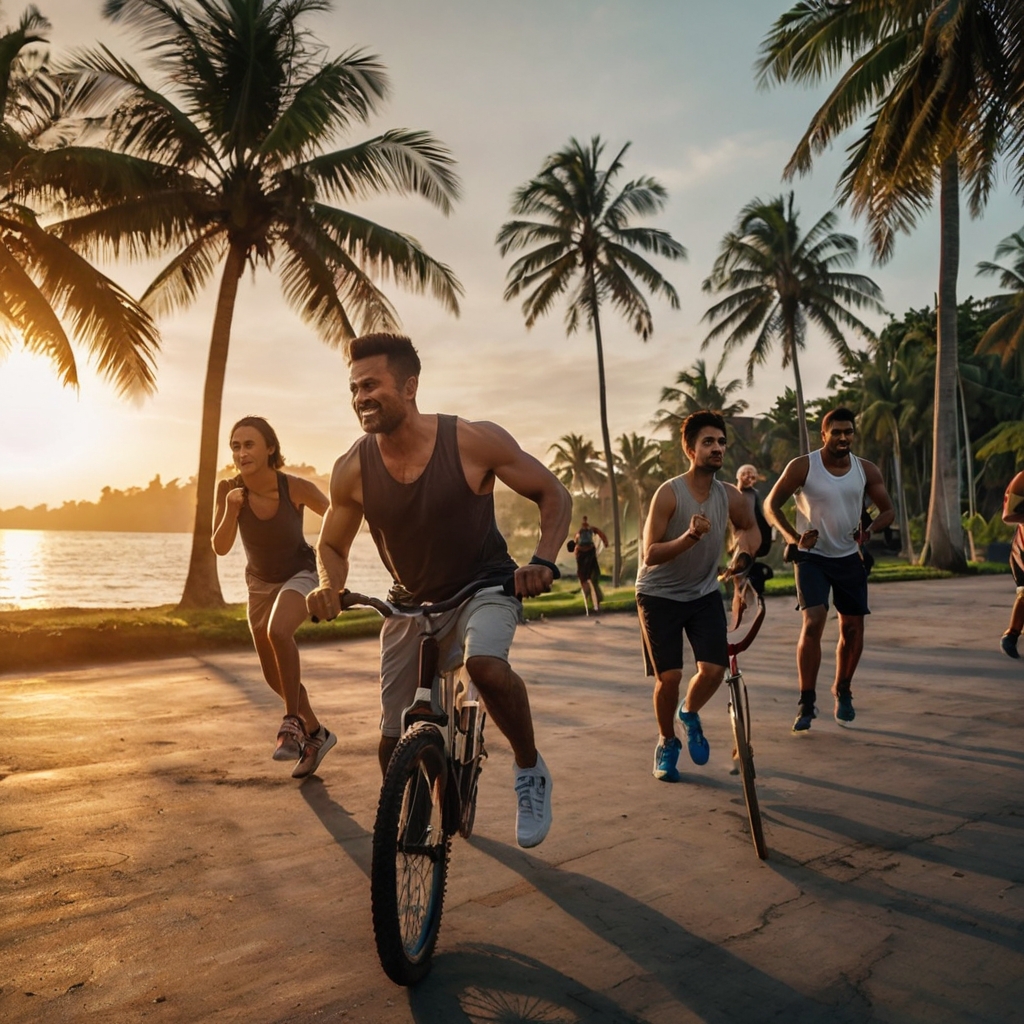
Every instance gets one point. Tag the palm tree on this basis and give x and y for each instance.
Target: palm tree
(44, 284)
(585, 242)
(638, 460)
(940, 82)
(577, 463)
(779, 282)
(1005, 337)
(697, 389)
(234, 139)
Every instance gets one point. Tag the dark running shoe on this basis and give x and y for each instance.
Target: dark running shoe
(666, 755)
(1008, 643)
(313, 750)
(804, 719)
(844, 713)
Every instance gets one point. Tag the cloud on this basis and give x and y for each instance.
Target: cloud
(726, 157)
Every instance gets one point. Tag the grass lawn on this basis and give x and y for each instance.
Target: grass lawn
(68, 637)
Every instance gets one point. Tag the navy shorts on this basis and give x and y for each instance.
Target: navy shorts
(663, 622)
(845, 577)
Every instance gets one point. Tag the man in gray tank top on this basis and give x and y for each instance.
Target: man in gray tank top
(424, 483)
(824, 546)
(677, 587)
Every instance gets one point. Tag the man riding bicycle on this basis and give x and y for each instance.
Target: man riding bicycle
(424, 483)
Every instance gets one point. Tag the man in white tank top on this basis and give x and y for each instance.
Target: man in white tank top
(677, 587)
(834, 486)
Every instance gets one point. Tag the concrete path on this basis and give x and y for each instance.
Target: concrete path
(156, 865)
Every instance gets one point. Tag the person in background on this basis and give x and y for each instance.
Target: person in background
(588, 571)
(746, 477)
(1013, 515)
(265, 506)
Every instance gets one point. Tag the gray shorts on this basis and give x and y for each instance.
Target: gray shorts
(262, 595)
(482, 627)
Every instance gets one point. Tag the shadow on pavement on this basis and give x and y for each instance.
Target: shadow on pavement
(344, 829)
(484, 984)
(710, 981)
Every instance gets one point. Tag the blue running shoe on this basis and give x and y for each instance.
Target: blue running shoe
(804, 719)
(695, 741)
(844, 713)
(665, 757)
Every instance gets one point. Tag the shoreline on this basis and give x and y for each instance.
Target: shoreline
(65, 638)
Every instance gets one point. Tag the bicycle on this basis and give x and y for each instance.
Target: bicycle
(750, 587)
(429, 794)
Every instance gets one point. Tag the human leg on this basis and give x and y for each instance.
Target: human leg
(288, 613)
(1008, 641)
(808, 661)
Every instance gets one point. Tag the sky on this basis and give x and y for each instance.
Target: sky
(502, 84)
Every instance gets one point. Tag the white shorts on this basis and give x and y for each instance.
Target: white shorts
(482, 627)
(262, 595)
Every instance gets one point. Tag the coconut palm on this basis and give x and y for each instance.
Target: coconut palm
(780, 282)
(697, 389)
(577, 463)
(1005, 337)
(940, 84)
(638, 461)
(585, 246)
(235, 138)
(48, 293)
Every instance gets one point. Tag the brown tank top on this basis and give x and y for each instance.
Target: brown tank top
(275, 548)
(434, 535)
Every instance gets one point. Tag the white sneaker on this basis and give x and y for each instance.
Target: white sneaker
(533, 803)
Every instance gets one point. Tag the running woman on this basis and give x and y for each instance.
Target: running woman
(831, 485)
(265, 506)
(1013, 515)
(677, 587)
(424, 482)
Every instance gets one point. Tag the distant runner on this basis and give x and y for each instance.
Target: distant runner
(746, 477)
(265, 506)
(588, 571)
(677, 587)
(1013, 515)
(825, 550)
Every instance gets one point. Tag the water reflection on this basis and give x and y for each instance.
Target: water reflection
(84, 569)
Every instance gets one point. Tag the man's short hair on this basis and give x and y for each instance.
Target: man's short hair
(842, 414)
(403, 360)
(697, 421)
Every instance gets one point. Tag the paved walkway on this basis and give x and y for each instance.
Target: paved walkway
(157, 865)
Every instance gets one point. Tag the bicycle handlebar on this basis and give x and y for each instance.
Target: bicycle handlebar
(387, 609)
(750, 582)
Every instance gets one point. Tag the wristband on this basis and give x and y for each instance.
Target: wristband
(555, 571)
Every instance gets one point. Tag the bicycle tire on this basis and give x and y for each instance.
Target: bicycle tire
(409, 869)
(467, 817)
(741, 736)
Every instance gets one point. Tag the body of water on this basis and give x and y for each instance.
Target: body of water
(80, 569)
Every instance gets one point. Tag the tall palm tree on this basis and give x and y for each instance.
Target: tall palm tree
(697, 388)
(586, 247)
(234, 138)
(577, 463)
(940, 83)
(1005, 337)
(47, 290)
(779, 282)
(638, 460)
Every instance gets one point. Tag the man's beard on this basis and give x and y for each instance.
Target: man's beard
(386, 420)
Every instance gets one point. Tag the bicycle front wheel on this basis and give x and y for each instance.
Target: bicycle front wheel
(740, 716)
(410, 856)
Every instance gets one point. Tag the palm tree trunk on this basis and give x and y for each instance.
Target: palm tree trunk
(798, 387)
(202, 586)
(944, 541)
(969, 467)
(907, 550)
(609, 461)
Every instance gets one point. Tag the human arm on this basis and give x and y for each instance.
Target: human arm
(338, 530)
(601, 534)
(658, 549)
(230, 499)
(488, 452)
(794, 476)
(874, 488)
(305, 492)
(1013, 501)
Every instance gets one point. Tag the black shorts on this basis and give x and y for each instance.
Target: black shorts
(1016, 568)
(846, 577)
(663, 621)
